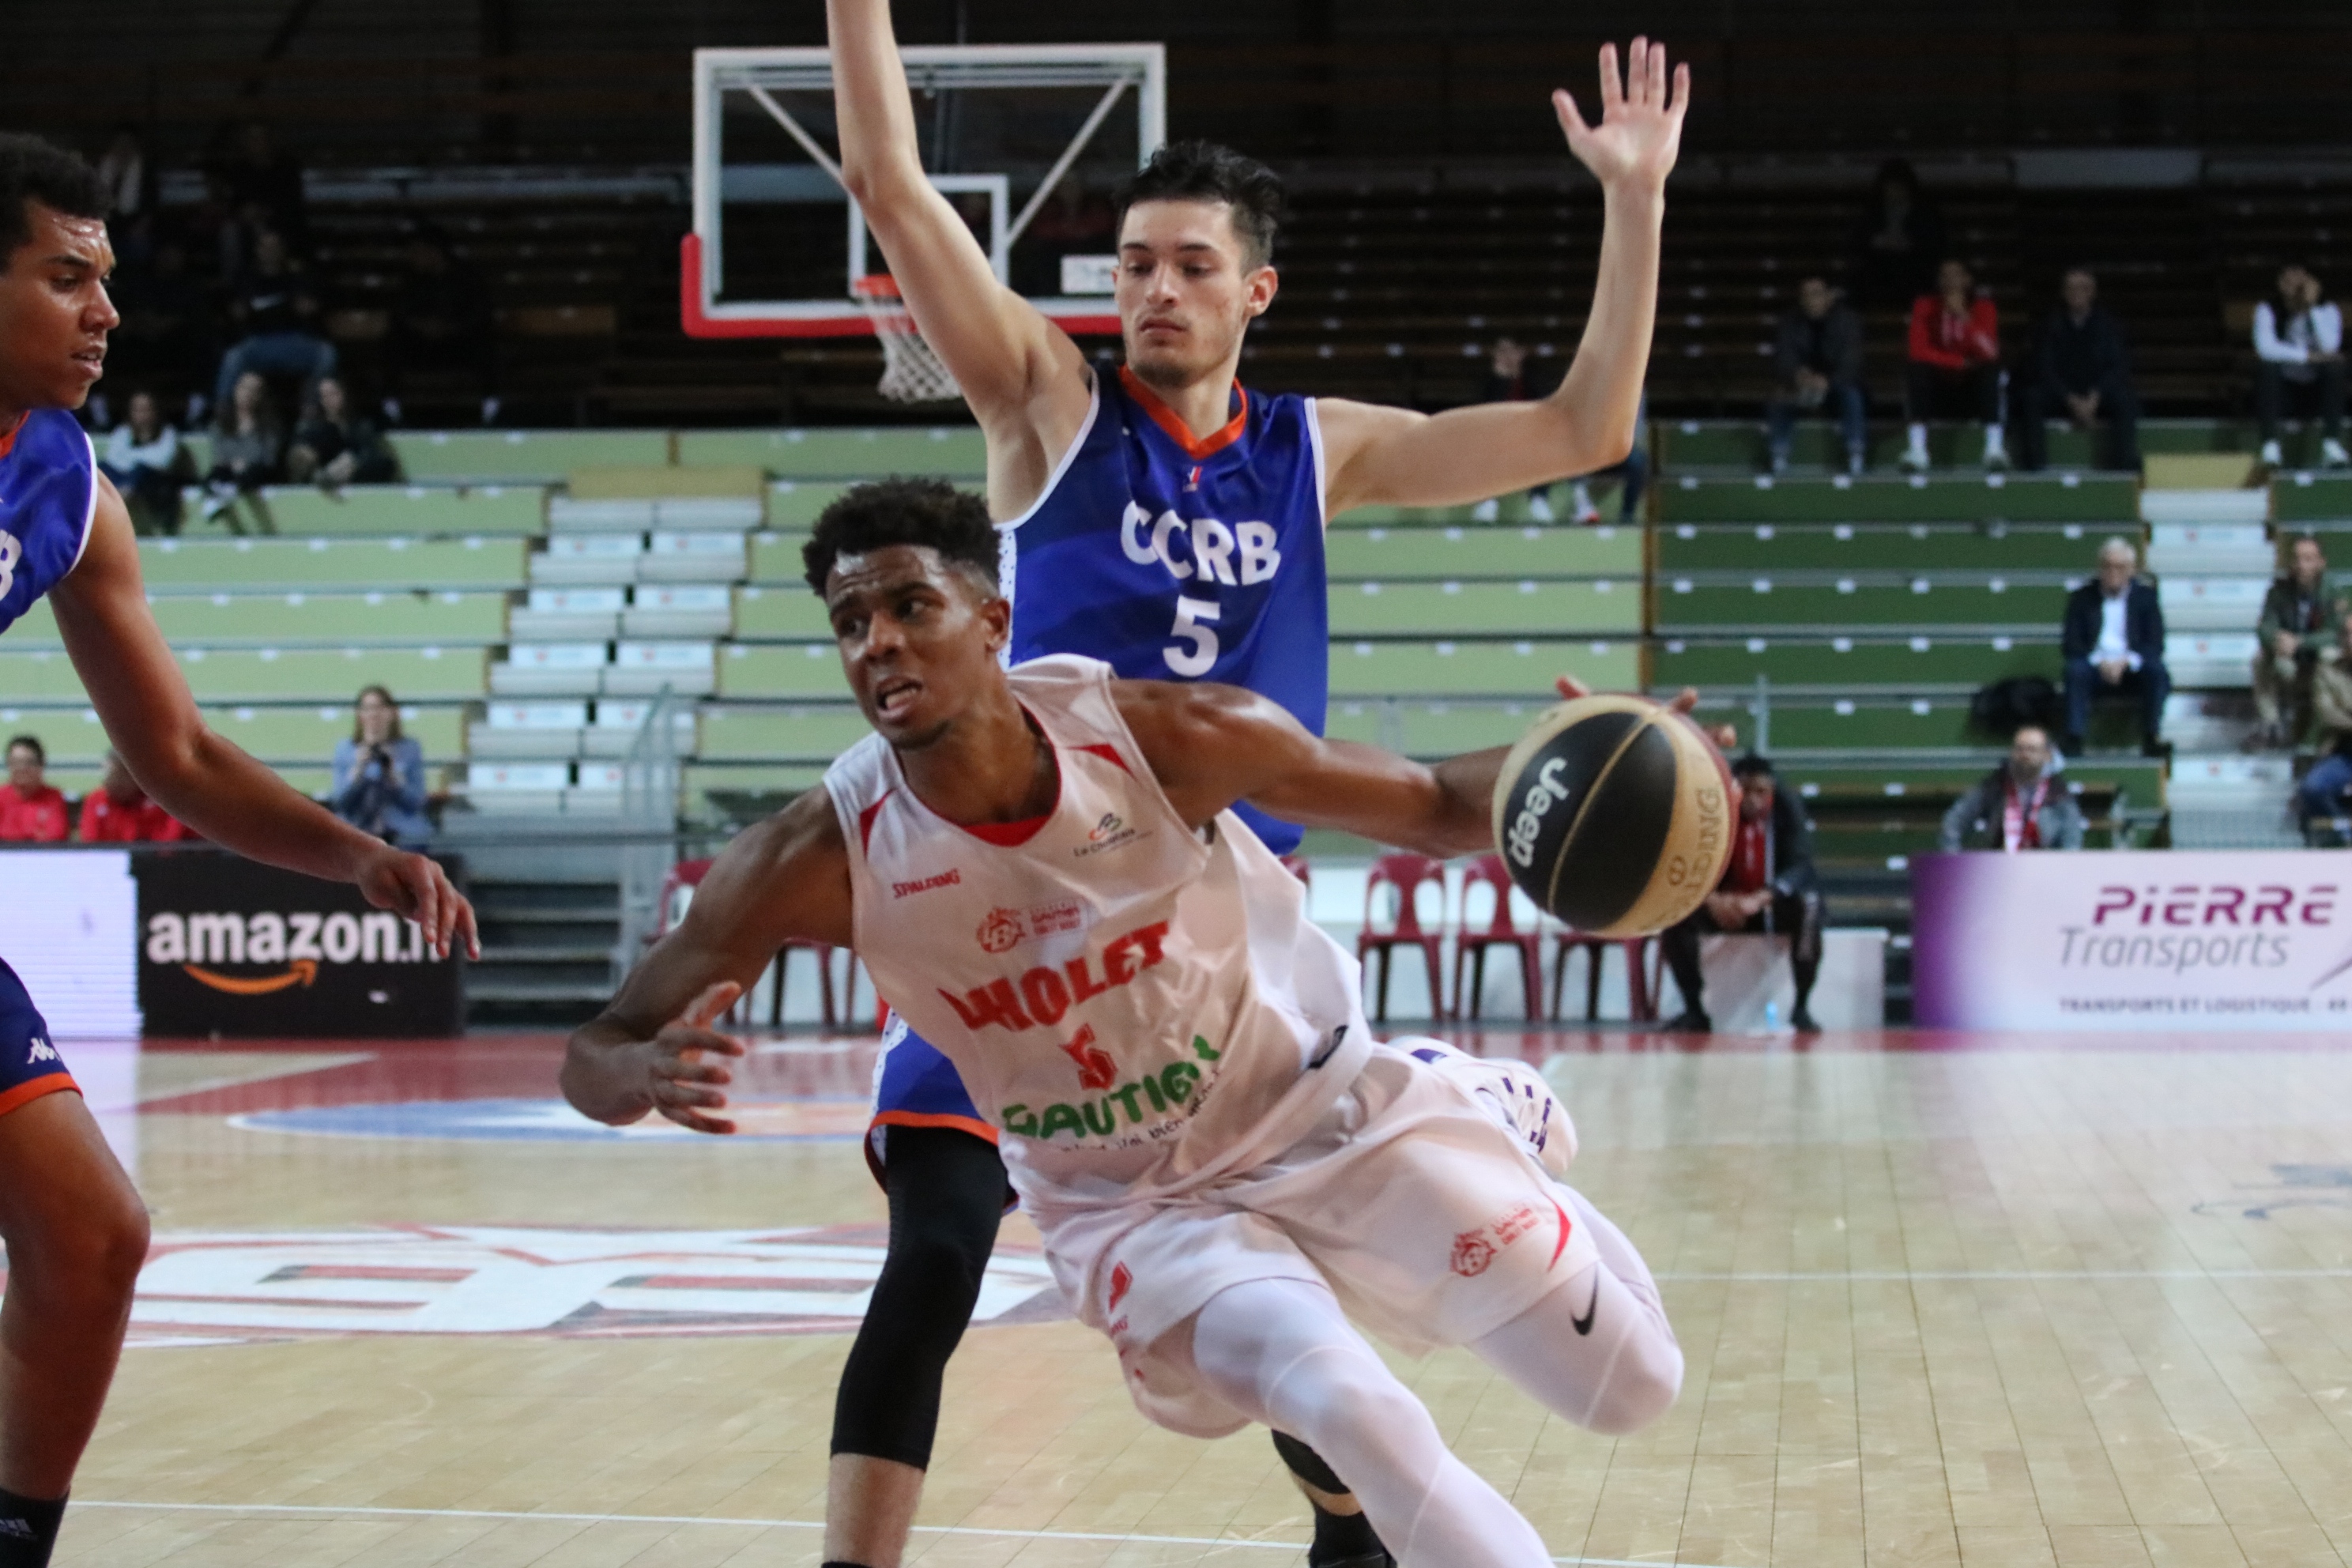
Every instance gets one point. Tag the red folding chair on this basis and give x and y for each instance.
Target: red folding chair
(1503, 931)
(1641, 991)
(1408, 874)
(687, 875)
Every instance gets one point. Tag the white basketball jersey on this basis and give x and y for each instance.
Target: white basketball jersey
(1137, 1007)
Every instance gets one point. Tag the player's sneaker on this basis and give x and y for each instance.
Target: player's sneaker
(1486, 511)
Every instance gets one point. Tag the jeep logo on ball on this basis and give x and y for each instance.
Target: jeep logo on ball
(1538, 799)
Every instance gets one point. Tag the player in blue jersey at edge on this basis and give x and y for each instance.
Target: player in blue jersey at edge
(75, 1228)
(1169, 522)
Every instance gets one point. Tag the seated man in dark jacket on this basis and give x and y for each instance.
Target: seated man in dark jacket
(2301, 616)
(1769, 888)
(2079, 372)
(1817, 365)
(2022, 805)
(2114, 641)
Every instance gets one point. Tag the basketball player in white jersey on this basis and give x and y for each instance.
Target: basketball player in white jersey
(1042, 871)
(1169, 522)
(75, 1228)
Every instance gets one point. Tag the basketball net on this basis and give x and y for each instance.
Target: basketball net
(912, 371)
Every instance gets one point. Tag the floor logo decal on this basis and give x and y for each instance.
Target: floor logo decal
(536, 1119)
(215, 1288)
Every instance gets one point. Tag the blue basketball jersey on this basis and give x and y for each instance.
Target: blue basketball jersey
(1171, 558)
(49, 497)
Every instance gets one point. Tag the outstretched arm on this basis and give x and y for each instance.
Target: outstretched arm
(209, 783)
(1210, 745)
(1021, 373)
(652, 1048)
(1395, 456)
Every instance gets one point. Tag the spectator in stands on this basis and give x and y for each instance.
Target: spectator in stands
(2080, 369)
(380, 774)
(119, 812)
(144, 460)
(441, 325)
(1817, 365)
(1771, 887)
(2022, 805)
(168, 333)
(1510, 379)
(2113, 641)
(248, 445)
(30, 811)
(277, 309)
(2321, 794)
(335, 447)
(1955, 364)
(1900, 240)
(2299, 339)
(2302, 615)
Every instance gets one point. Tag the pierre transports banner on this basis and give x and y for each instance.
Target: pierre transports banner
(229, 947)
(2155, 940)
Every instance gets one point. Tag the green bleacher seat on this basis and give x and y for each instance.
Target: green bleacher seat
(183, 565)
(330, 675)
(1431, 730)
(1880, 599)
(1814, 777)
(2015, 497)
(1476, 551)
(396, 619)
(288, 734)
(952, 451)
(1504, 669)
(43, 678)
(305, 510)
(520, 456)
(1765, 548)
(758, 778)
(776, 556)
(1870, 725)
(781, 670)
(786, 610)
(1526, 608)
(1851, 662)
(2306, 498)
(767, 734)
(793, 504)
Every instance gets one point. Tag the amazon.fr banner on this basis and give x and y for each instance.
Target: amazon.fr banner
(2130, 941)
(232, 948)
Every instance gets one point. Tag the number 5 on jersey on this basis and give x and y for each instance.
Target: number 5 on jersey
(1196, 661)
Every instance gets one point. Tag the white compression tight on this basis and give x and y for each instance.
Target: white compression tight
(1282, 1352)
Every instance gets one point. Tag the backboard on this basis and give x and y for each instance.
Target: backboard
(1026, 140)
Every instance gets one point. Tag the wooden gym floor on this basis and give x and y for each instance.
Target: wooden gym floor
(2000, 1300)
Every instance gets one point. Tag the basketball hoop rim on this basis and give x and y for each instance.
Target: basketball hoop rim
(876, 285)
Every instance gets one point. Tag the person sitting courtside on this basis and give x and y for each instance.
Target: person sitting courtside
(1769, 888)
(31, 811)
(2113, 642)
(2022, 805)
(2300, 615)
(119, 812)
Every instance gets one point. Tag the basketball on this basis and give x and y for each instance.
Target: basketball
(1615, 813)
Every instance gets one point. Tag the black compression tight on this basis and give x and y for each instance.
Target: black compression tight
(946, 1193)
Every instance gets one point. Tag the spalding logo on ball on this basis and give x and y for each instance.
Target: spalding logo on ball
(1615, 813)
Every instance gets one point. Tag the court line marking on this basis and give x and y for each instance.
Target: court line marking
(316, 1509)
(2004, 1275)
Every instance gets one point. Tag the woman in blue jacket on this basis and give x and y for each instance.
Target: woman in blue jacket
(380, 774)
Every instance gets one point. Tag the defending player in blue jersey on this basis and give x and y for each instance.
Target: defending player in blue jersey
(75, 1228)
(1166, 519)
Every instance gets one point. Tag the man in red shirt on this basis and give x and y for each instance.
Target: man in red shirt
(1955, 370)
(119, 812)
(30, 811)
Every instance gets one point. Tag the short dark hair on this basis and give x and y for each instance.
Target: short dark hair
(32, 170)
(1752, 766)
(931, 513)
(32, 744)
(1206, 172)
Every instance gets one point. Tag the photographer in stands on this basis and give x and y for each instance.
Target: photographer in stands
(31, 812)
(2302, 619)
(1769, 888)
(379, 785)
(2022, 804)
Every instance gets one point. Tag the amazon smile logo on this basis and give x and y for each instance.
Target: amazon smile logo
(298, 943)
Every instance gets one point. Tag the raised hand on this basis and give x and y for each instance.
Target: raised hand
(1640, 126)
(1571, 689)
